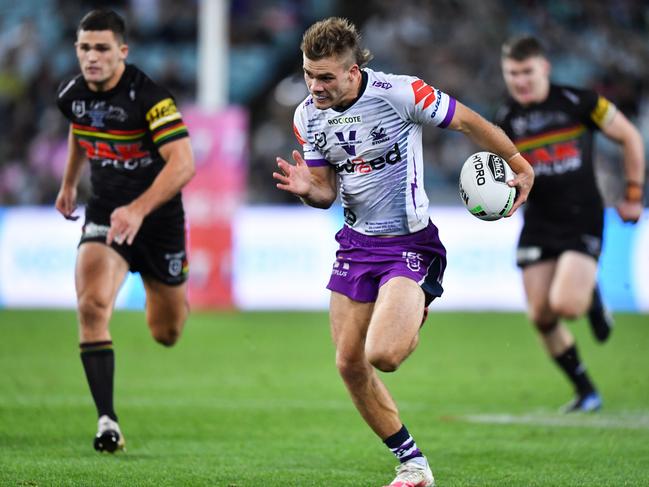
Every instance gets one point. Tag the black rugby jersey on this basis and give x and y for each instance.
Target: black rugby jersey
(121, 131)
(556, 137)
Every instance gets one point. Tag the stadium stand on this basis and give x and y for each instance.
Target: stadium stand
(453, 44)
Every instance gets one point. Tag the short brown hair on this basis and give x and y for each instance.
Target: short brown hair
(521, 48)
(334, 36)
(104, 19)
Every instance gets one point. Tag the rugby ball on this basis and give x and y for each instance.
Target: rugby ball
(483, 186)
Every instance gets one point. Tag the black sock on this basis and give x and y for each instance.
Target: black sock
(596, 310)
(402, 445)
(596, 305)
(571, 364)
(98, 361)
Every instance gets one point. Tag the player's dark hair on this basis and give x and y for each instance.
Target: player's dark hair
(335, 36)
(521, 48)
(104, 19)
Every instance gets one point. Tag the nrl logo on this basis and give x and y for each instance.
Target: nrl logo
(79, 108)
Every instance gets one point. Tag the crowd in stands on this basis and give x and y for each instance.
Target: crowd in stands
(452, 44)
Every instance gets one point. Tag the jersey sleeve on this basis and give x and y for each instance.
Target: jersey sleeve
(420, 102)
(62, 99)
(163, 119)
(312, 155)
(595, 110)
(603, 112)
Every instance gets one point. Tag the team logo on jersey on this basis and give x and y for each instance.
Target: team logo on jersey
(175, 263)
(79, 108)
(346, 120)
(350, 144)
(320, 140)
(413, 260)
(378, 134)
(99, 112)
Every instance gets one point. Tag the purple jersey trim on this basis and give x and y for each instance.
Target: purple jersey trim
(449, 114)
(316, 162)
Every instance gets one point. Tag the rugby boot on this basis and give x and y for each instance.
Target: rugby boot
(413, 473)
(109, 437)
(586, 403)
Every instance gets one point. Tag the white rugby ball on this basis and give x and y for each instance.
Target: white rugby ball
(483, 186)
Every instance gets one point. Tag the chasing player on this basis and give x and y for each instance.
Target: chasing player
(561, 240)
(360, 132)
(140, 157)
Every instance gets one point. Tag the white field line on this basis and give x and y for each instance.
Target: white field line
(631, 421)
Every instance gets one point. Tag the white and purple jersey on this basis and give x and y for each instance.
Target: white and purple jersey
(375, 148)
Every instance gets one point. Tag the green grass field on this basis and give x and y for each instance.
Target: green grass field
(253, 399)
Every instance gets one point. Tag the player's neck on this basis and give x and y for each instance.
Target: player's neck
(541, 95)
(110, 83)
(355, 92)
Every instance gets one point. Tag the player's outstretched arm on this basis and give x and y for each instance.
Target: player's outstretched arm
(622, 131)
(66, 200)
(125, 221)
(490, 137)
(316, 186)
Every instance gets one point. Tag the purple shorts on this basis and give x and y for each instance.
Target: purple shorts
(364, 263)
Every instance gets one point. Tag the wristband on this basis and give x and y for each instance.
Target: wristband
(633, 192)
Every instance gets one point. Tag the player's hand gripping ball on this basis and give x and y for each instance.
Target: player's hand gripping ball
(483, 186)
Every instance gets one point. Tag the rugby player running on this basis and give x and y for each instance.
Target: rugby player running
(560, 244)
(130, 130)
(360, 132)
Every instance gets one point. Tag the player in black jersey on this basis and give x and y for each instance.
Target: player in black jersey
(559, 246)
(140, 157)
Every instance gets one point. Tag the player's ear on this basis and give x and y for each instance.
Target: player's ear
(123, 51)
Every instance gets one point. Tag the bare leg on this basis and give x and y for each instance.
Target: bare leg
(167, 309)
(380, 335)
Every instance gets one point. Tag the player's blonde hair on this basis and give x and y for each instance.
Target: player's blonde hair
(335, 36)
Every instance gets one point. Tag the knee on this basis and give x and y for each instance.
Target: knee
(351, 370)
(166, 325)
(165, 335)
(93, 311)
(546, 327)
(568, 309)
(543, 318)
(384, 360)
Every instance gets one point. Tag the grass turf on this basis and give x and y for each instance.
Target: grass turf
(253, 399)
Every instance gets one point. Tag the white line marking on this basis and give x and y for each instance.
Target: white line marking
(633, 421)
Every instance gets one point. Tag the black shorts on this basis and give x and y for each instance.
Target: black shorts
(533, 248)
(159, 248)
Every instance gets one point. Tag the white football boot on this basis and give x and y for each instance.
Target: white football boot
(413, 473)
(109, 437)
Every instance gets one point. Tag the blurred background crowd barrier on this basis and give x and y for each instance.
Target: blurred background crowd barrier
(452, 44)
